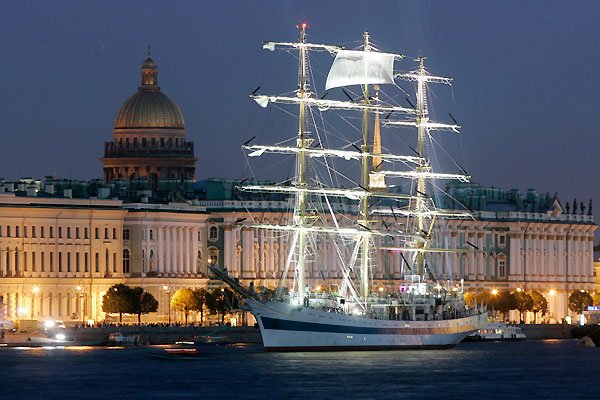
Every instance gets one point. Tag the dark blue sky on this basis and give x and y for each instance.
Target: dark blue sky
(526, 78)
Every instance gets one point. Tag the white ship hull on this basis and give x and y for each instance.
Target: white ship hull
(295, 328)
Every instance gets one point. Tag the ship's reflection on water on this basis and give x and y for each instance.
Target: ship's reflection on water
(531, 369)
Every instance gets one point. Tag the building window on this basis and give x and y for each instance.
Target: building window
(52, 232)
(97, 262)
(115, 233)
(77, 263)
(213, 233)
(7, 231)
(17, 266)
(213, 256)
(68, 232)
(17, 231)
(41, 231)
(33, 266)
(501, 267)
(68, 261)
(86, 233)
(42, 262)
(199, 236)
(151, 234)
(24, 231)
(143, 260)
(60, 232)
(77, 233)
(125, 261)
(33, 231)
(86, 261)
(0, 231)
(25, 261)
(501, 240)
(97, 233)
(106, 233)
(114, 262)
(60, 261)
(125, 234)
(51, 261)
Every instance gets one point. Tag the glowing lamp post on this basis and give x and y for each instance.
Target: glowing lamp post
(34, 291)
(167, 289)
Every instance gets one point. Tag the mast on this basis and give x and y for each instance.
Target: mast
(303, 142)
(422, 118)
(365, 177)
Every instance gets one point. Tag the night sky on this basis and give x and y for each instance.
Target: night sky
(525, 89)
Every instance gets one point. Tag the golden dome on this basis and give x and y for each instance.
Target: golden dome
(149, 107)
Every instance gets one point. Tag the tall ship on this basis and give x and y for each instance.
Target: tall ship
(390, 207)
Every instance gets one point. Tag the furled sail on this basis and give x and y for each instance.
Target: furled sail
(352, 67)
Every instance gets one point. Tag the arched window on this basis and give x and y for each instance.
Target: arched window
(213, 256)
(126, 261)
(213, 233)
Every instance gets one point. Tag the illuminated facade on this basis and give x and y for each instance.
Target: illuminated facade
(64, 243)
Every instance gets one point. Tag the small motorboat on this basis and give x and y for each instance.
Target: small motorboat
(182, 351)
(497, 331)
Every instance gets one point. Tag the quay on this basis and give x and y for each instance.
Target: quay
(146, 335)
(164, 335)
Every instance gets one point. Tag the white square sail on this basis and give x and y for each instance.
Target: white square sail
(352, 67)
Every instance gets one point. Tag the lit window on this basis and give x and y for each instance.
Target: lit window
(213, 233)
(125, 261)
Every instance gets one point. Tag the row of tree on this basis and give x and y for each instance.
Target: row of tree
(533, 301)
(122, 299)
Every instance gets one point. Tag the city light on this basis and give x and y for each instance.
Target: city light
(495, 292)
(552, 292)
(36, 290)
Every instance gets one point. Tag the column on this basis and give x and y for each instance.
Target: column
(195, 246)
(228, 252)
(159, 249)
(174, 266)
(168, 262)
(188, 250)
(180, 260)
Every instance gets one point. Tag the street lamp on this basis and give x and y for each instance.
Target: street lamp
(81, 291)
(167, 289)
(34, 291)
(494, 294)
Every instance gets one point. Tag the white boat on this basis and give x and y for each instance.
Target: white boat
(418, 311)
(497, 331)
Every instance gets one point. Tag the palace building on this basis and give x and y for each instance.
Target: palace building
(148, 223)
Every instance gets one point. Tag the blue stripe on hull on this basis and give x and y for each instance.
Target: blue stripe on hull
(357, 348)
(287, 325)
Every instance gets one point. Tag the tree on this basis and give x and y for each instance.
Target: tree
(118, 299)
(579, 300)
(200, 295)
(504, 302)
(540, 304)
(219, 301)
(143, 303)
(596, 297)
(184, 300)
(523, 302)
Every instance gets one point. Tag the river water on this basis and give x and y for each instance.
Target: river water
(509, 370)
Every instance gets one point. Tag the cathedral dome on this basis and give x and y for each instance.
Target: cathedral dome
(149, 107)
(149, 110)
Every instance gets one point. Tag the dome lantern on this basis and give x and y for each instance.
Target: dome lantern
(149, 74)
